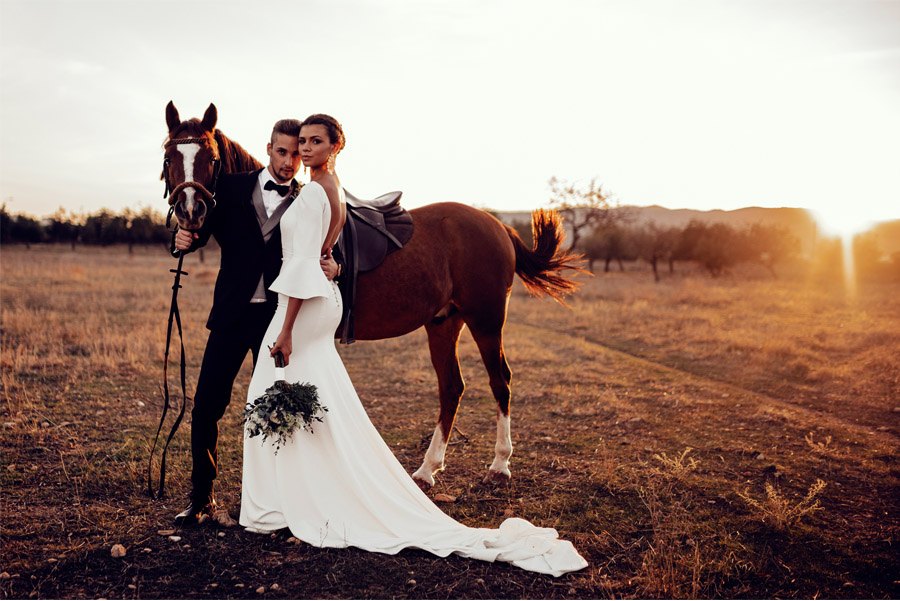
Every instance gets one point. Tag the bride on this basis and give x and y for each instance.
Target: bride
(341, 486)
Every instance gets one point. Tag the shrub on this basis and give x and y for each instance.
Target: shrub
(780, 512)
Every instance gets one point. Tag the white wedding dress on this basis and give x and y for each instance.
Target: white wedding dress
(341, 486)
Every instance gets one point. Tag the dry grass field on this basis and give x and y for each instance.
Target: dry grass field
(694, 438)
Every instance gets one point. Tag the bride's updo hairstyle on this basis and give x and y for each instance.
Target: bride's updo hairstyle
(335, 131)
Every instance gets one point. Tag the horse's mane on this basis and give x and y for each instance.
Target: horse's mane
(233, 156)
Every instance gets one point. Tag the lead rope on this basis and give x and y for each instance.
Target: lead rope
(174, 315)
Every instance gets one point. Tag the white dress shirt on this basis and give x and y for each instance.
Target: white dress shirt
(271, 198)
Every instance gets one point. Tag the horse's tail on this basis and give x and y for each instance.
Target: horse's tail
(540, 266)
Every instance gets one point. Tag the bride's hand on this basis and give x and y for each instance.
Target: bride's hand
(283, 344)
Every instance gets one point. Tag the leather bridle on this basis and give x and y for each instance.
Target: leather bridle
(207, 195)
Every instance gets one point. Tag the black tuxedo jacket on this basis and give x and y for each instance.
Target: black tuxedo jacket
(245, 254)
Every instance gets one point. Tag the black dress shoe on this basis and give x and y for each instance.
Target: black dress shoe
(195, 514)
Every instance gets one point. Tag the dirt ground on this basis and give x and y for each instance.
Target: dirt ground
(674, 432)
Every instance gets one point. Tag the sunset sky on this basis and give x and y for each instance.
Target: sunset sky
(693, 104)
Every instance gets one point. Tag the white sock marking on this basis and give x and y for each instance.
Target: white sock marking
(434, 458)
(504, 448)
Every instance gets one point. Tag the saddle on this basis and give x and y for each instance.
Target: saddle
(373, 230)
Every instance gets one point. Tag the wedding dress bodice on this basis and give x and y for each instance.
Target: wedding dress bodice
(303, 229)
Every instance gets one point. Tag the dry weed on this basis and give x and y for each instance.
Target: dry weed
(686, 556)
(678, 466)
(781, 512)
(822, 447)
(607, 470)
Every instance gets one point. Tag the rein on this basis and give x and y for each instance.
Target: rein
(174, 315)
(209, 196)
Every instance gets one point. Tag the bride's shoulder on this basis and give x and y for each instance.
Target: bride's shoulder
(313, 191)
(330, 185)
(330, 188)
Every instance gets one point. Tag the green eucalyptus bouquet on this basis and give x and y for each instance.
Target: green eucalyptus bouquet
(283, 408)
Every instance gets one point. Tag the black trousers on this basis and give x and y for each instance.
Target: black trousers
(226, 349)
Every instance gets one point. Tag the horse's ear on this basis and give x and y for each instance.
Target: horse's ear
(210, 117)
(172, 118)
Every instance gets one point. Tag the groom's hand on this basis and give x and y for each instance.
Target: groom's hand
(184, 239)
(330, 267)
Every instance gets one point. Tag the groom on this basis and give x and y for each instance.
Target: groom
(245, 224)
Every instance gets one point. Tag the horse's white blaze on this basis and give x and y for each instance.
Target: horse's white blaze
(503, 449)
(434, 458)
(189, 152)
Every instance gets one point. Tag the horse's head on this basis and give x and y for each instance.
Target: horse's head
(191, 166)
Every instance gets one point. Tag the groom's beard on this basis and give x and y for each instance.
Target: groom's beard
(284, 176)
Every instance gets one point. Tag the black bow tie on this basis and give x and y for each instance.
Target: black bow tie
(282, 190)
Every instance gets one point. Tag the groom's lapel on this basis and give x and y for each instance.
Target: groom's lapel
(259, 206)
(272, 222)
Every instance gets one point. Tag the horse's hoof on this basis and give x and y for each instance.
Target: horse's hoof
(497, 478)
(423, 484)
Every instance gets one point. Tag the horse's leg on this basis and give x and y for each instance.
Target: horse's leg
(442, 342)
(490, 344)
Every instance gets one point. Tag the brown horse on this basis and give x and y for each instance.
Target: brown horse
(457, 270)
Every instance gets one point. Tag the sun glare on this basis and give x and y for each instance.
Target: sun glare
(849, 265)
(845, 221)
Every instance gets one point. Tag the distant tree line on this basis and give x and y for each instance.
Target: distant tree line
(103, 228)
(604, 232)
(604, 236)
(714, 246)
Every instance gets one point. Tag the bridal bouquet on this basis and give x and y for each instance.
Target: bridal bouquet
(283, 408)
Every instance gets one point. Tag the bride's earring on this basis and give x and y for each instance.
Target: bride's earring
(331, 163)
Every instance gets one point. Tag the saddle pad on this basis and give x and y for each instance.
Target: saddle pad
(369, 235)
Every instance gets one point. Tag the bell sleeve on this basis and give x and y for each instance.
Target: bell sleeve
(301, 274)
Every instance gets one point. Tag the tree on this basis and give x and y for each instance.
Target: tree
(25, 229)
(609, 242)
(5, 224)
(654, 244)
(715, 246)
(105, 228)
(65, 227)
(148, 227)
(582, 209)
(770, 245)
